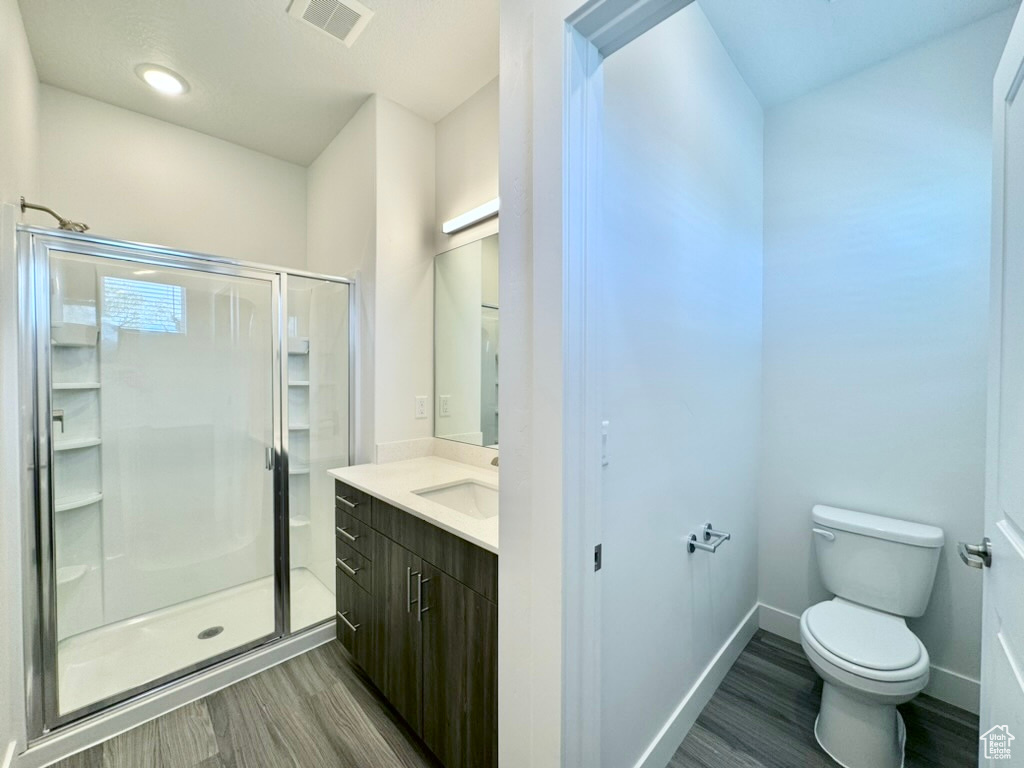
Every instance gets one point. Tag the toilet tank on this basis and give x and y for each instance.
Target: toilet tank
(876, 561)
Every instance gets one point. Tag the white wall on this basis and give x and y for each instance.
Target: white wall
(371, 214)
(530, 569)
(19, 88)
(132, 177)
(682, 248)
(877, 221)
(405, 273)
(342, 240)
(18, 176)
(467, 165)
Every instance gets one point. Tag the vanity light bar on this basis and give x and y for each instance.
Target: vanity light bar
(469, 218)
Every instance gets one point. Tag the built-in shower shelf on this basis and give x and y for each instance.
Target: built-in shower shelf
(298, 470)
(298, 383)
(298, 428)
(77, 385)
(78, 501)
(298, 345)
(69, 574)
(74, 445)
(73, 335)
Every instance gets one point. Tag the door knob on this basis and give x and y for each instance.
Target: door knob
(977, 555)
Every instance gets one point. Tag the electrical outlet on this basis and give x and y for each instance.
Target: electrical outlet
(444, 406)
(421, 406)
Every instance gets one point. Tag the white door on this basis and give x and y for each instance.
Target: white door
(1002, 674)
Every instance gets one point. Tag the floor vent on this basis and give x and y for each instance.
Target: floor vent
(342, 20)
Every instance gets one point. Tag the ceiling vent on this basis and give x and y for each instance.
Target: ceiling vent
(343, 20)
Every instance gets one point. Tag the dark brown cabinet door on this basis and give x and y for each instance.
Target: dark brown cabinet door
(460, 673)
(399, 649)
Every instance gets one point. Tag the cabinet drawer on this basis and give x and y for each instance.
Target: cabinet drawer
(353, 564)
(354, 532)
(354, 618)
(352, 501)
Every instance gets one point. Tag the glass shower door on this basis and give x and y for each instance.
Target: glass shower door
(163, 436)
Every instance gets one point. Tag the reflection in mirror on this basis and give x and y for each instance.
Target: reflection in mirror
(466, 343)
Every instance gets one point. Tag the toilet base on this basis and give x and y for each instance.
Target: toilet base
(858, 733)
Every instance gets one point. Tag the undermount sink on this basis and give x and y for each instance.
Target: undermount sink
(468, 497)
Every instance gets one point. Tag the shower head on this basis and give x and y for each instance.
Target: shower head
(62, 223)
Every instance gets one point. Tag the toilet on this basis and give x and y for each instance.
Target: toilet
(881, 571)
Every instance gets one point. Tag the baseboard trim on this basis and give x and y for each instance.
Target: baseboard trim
(671, 735)
(954, 688)
(75, 738)
(943, 684)
(778, 622)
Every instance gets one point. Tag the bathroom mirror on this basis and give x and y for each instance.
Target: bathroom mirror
(466, 343)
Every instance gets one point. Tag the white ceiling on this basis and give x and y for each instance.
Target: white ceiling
(258, 77)
(784, 48)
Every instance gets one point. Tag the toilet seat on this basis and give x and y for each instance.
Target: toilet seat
(864, 642)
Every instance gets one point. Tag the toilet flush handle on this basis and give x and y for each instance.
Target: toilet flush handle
(827, 535)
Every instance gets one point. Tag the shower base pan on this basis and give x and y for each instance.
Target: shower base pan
(109, 660)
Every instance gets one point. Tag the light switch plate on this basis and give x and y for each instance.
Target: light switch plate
(421, 406)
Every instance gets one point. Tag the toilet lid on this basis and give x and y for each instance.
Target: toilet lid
(864, 637)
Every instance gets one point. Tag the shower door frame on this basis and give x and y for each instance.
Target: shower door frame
(35, 245)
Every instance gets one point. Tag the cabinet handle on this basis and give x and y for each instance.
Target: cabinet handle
(342, 561)
(420, 581)
(344, 500)
(344, 532)
(408, 589)
(353, 627)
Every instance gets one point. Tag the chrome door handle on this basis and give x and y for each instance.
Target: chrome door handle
(344, 532)
(420, 581)
(351, 571)
(709, 534)
(976, 555)
(344, 500)
(408, 588)
(269, 458)
(353, 627)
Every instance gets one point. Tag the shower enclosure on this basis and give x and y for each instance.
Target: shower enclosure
(182, 411)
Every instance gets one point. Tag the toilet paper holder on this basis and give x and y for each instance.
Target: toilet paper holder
(712, 540)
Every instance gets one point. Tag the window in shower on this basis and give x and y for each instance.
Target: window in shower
(140, 305)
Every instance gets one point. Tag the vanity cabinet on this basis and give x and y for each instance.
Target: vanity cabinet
(417, 610)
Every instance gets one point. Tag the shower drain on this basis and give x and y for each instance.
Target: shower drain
(206, 634)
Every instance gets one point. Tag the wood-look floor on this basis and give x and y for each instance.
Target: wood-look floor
(762, 716)
(318, 711)
(314, 711)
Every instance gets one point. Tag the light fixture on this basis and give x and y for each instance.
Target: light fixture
(162, 79)
(469, 218)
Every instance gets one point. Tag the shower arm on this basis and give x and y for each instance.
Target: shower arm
(62, 223)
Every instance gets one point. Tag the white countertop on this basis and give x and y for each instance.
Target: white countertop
(394, 483)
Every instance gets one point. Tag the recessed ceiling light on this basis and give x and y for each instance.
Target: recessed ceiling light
(162, 79)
